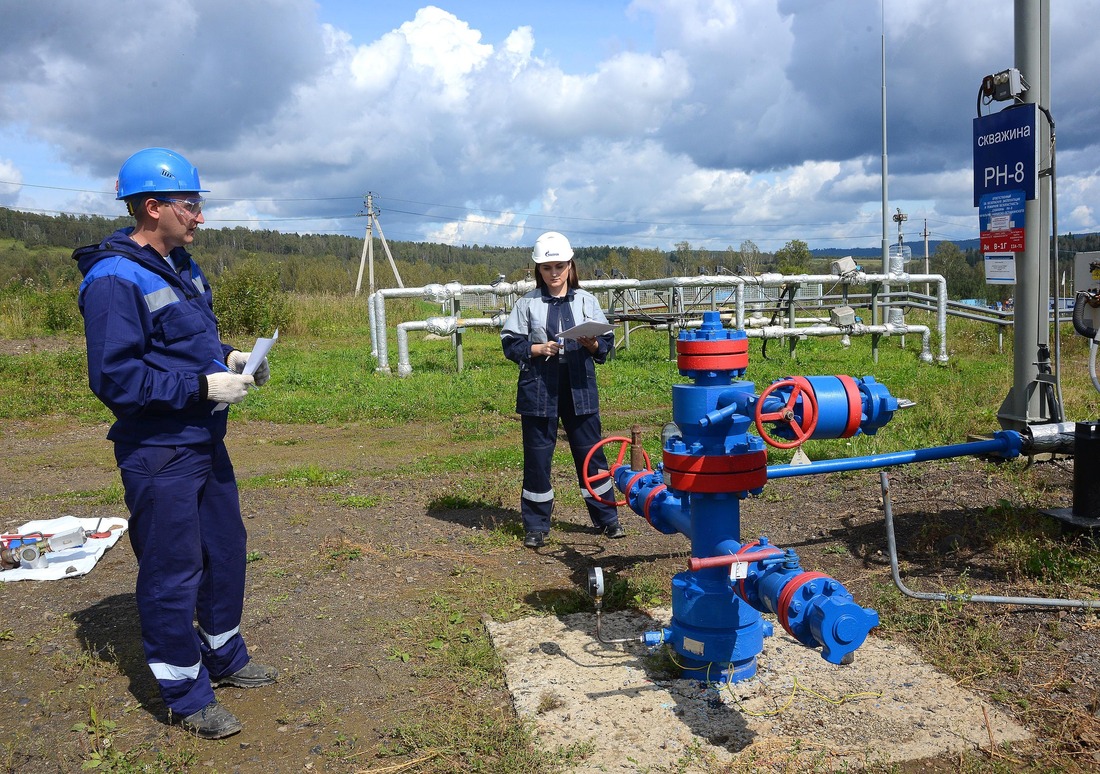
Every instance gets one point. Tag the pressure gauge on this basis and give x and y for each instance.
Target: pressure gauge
(595, 582)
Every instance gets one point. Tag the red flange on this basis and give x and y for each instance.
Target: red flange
(716, 473)
(855, 405)
(720, 355)
(784, 604)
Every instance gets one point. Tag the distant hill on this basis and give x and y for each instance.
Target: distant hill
(873, 252)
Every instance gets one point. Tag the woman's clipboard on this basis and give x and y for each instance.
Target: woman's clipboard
(588, 329)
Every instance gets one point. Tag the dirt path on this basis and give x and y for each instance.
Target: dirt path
(344, 575)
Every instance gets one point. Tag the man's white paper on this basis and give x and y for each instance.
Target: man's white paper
(259, 352)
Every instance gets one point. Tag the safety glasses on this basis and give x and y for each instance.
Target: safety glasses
(193, 207)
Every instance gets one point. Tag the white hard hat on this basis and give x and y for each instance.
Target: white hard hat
(551, 247)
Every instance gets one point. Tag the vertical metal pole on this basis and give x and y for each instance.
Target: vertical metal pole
(897, 266)
(673, 308)
(885, 200)
(627, 294)
(456, 338)
(885, 195)
(927, 289)
(792, 342)
(876, 288)
(370, 255)
(1024, 404)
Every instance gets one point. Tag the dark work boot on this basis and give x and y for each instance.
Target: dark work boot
(614, 531)
(211, 722)
(251, 675)
(534, 539)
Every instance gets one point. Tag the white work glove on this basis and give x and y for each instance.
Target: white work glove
(224, 387)
(236, 362)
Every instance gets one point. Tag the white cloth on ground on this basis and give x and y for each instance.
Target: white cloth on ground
(70, 562)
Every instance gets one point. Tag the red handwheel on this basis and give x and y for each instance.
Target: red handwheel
(605, 474)
(800, 388)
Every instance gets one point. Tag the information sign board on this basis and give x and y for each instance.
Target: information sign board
(1006, 152)
(1001, 218)
(1000, 268)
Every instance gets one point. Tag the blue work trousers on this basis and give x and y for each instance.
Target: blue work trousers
(187, 533)
(540, 436)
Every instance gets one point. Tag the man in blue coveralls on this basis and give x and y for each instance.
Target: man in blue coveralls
(156, 360)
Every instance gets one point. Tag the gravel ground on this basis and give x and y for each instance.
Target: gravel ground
(344, 574)
(887, 707)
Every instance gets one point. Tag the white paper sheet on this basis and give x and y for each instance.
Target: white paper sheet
(259, 352)
(588, 329)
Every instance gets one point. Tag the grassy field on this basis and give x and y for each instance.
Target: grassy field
(324, 373)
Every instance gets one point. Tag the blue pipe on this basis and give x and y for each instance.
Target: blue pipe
(1005, 443)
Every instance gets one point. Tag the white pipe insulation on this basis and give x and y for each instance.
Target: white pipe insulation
(376, 302)
(440, 326)
(376, 306)
(887, 329)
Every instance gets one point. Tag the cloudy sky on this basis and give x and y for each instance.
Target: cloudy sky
(642, 122)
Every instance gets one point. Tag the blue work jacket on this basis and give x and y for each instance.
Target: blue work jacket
(150, 332)
(540, 377)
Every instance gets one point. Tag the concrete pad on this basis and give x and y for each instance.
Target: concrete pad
(888, 706)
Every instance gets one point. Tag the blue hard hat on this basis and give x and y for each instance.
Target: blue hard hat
(154, 170)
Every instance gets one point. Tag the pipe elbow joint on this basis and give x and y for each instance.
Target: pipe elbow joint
(1080, 324)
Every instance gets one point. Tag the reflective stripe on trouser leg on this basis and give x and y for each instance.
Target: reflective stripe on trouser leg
(584, 432)
(537, 501)
(177, 535)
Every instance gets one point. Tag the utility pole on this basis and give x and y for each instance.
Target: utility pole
(368, 248)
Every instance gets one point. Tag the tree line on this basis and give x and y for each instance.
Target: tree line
(35, 248)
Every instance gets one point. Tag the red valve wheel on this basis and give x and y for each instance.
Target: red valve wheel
(590, 480)
(800, 388)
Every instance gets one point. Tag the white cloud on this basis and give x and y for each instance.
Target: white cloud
(1085, 215)
(518, 47)
(477, 229)
(738, 119)
(9, 192)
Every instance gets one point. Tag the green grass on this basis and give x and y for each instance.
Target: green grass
(491, 459)
(323, 372)
(330, 377)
